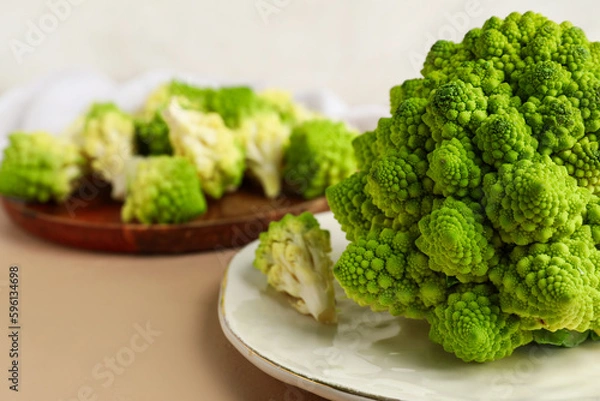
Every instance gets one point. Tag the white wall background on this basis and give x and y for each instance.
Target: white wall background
(357, 48)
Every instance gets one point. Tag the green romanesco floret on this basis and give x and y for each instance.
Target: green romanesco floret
(408, 89)
(546, 78)
(282, 102)
(365, 150)
(582, 162)
(472, 325)
(592, 218)
(533, 201)
(264, 122)
(320, 154)
(544, 44)
(152, 137)
(454, 109)
(489, 169)
(575, 52)
(454, 169)
(351, 206)
(482, 74)
(505, 139)
(503, 103)
(458, 240)
(163, 190)
(384, 271)
(152, 132)
(408, 130)
(555, 123)
(414, 210)
(106, 137)
(583, 93)
(383, 134)
(294, 255)
(215, 151)
(396, 178)
(233, 104)
(40, 167)
(554, 286)
(444, 57)
(187, 95)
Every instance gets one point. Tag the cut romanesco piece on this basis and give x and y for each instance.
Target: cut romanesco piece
(233, 104)
(282, 102)
(294, 254)
(152, 132)
(214, 150)
(187, 95)
(163, 190)
(320, 154)
(265, 138)
(264, 122)
(106, 136)
(40, 167)
(152, 137)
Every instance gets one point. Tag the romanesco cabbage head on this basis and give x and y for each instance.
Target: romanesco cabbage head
(476, 206)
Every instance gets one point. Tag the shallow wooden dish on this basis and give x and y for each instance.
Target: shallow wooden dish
(232, 221)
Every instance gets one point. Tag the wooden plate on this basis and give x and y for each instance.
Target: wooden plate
(95, 224)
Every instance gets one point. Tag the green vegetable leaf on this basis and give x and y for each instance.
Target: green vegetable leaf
(560, 338)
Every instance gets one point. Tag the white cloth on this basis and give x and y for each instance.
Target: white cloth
(53, 103)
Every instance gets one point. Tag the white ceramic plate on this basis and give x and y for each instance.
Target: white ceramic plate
(375, 356)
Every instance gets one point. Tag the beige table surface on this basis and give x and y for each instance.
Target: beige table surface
(81, 315)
